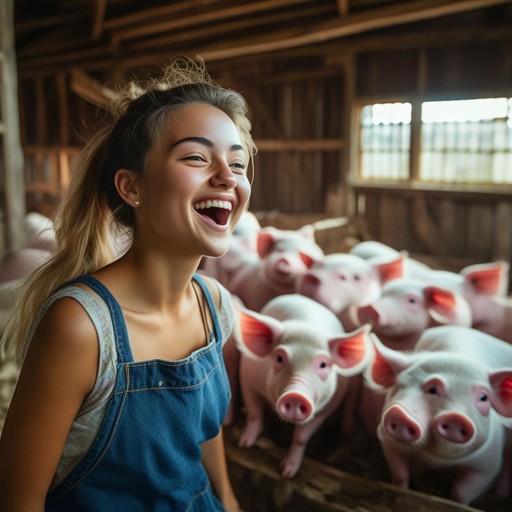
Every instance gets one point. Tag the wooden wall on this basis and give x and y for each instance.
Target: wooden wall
(302, 103)
(452, 225)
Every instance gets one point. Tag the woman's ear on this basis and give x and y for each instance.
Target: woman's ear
(127, 185)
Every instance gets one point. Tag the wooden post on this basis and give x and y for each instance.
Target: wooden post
(14, 185)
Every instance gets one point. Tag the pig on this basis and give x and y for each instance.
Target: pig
(483, 286)
(283, 255)
(342, 282)
(242, 248)
(406, 307)
(295, 357)
(373, 250)
(22, 262)
(447, 404)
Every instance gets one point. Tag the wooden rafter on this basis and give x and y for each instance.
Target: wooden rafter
(90, 89)
(408, 12)
(343, 7)
(99, 18)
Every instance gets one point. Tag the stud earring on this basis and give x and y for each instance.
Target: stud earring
(137, 202)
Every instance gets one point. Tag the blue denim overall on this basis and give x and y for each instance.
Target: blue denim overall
(147, 455)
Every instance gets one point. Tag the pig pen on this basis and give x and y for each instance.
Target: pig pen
(340, 472)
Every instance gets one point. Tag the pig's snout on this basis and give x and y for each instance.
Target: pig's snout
(294, 407)
(368, 315)
(400, 426)
(454, 427)
(283, 266)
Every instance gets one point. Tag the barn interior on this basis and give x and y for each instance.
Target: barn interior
(317, 74)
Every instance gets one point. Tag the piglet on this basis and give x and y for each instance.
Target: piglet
(342, 282)
(296, 357)
(283, 255)
(406, 307)
(446, 405)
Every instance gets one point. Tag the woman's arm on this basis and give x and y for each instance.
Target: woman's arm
(214, 461)
(59, 371)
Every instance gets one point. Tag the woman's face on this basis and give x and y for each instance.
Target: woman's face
(195, 187)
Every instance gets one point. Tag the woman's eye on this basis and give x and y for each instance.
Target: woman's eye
(238, 165)
(195, 158)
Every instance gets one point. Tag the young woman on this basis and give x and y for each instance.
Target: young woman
(123, 388)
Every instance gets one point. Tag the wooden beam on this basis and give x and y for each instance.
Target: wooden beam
(156, 12)
(342, 7)
(222, 30)
(394, 15)
(408, 12)
(91, 90)
(99, 18)
(206, 17)
(14, 178)
(302, 145)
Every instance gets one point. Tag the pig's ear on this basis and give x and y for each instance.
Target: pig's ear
(257, 333)
(489, 279)
(386, 364)
(447, 307)
(351, 351)
(308, 232)
(501, 399)
(389, 270)
(265, 241)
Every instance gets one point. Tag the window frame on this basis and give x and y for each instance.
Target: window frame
(413, 182)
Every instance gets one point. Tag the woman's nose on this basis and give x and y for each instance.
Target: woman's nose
(223, 177)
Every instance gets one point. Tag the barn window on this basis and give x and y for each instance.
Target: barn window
(460, 141)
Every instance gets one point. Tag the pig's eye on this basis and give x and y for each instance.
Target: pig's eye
(432, 390)
(357, 277)
(411, 300)
(342, 277)
(323, 364)
(483, 397)
(279, 358)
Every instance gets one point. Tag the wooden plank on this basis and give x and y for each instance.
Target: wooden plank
(502, 245)
(481, 233)
(247, 9)
(300, 145)
(99, 18)
(13, 157)
(63, 110)
(405, 12)
(318, 487)
(220, 31)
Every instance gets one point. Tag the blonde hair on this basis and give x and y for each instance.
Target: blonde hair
(92, 213)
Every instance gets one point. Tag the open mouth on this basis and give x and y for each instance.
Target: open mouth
(217, 211)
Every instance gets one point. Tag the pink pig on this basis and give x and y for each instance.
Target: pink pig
(283, 256)
(446, 405)
(296, 357)
(343, 281)
(407, 307)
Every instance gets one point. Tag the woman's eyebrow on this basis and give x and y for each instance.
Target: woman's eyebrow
(206, 142)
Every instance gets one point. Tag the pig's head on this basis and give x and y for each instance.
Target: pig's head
(340, 281)
(287, 254)
(407, 307)
(302, 364)
(483, 284)
(439, 403)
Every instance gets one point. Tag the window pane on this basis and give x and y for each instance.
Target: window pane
(467, 141)
(385, 141)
